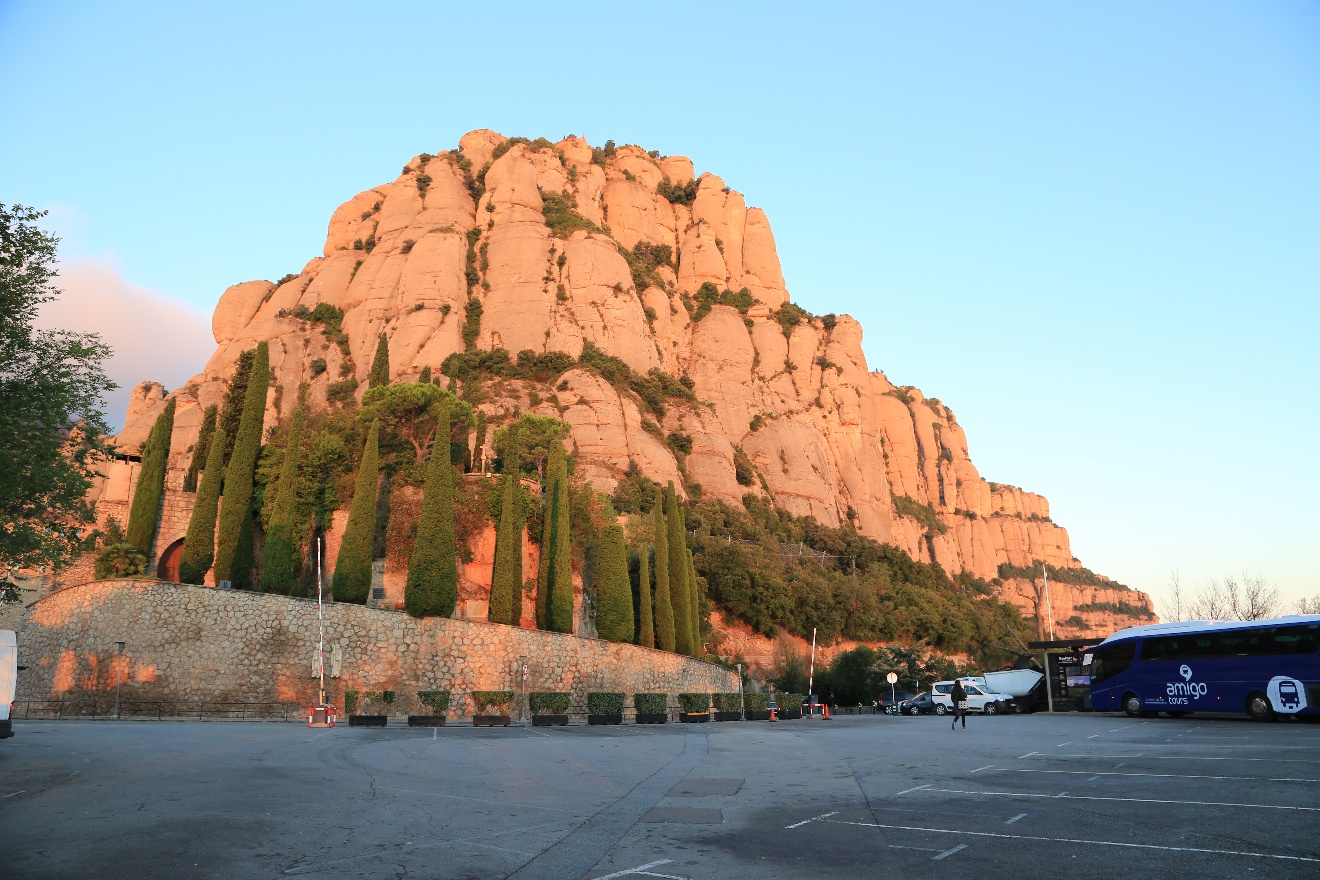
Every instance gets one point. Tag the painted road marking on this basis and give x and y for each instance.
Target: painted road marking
(933, 849)
(1179, 758)
(979, 769)
(1082, 797)
(637, 870)
(949, 852)
(906, 790)
(1027, 755)
(800, 824)
(1061, 745)
(1015, 818)
(1187, 849)
(1100, 773)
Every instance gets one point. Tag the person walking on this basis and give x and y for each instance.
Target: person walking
(959, 697)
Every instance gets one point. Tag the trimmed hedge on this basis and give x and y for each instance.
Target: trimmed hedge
(694, 703)
(727, 702)
(651, 704)
(437, 701)
(789, 701)
(484, 700)
(756, 702)
(605, 703)
(549, 702)
(350, 702)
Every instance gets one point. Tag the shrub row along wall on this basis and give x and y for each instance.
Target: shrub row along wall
(198, 644)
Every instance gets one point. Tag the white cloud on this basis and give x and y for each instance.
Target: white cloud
(153, 337)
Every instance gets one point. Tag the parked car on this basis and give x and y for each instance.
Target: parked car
(979, 698)
(921, 704)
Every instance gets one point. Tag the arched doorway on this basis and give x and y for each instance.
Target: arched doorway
(167, 569)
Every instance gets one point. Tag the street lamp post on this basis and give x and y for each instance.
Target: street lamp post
(119, 674)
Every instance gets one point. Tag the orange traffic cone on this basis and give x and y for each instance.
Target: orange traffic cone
(772, 714)
(826, 707)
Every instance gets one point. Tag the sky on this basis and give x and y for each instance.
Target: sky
(1092, 230)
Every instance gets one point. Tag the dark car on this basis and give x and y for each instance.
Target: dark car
(921, 704)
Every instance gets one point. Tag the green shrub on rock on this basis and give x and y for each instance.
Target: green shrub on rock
(120, 561)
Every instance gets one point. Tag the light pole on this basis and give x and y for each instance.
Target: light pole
(119, 673)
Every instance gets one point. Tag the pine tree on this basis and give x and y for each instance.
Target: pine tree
(231, 413)
(199, 543)
(432, 586)
(203, 448)
(380, 365)
(237, 501)
(425, 377)
(278, 554)
(144, 513)
(352, 580)
(614, 607)
(664, 612)
(645, 624)
(561, 547)
(678, 580)
(506, 577)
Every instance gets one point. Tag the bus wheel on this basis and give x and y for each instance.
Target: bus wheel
(1132, 705)
(1259, 708)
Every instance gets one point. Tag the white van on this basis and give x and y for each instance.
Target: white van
(979, 697)
(8, 680)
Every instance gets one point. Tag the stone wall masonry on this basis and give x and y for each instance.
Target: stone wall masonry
(197, 644)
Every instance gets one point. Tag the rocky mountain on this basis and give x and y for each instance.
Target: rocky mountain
(537, 248)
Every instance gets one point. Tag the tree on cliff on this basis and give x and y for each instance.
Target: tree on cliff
(203, 448)
(231, 412)
(51, 427)
(664, 612)
(506, 576)
(432, 586)
(645, 624)
(529, 440)
(680, 597)
(199, 543)
(236, 505)
(279, 553)
(412, 411)
(144, 513)
(614, 606)
(352, 580)
(559, 582)
(379, 376)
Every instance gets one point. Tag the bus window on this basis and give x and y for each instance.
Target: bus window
(1111, 660)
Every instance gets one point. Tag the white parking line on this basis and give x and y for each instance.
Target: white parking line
(1082, 797)
(949, 852)
(1175, 758)
(637, 870)
(1099, 773)
(1015, 818)
(1187, 849)
(1027, 755)
(906, 790)
(979, 769)
(804, 822)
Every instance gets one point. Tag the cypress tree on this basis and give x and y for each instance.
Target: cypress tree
(199, 543)
(432, 586)
(231, 413)
(278, 554)
(547, 543)
(426, 375)
(678, 581)
(481, 439)
(696, 604)
(203, 448)
(352, 580)
(145, 510)
(561, 544)
(380, 365)
(237, 500)
(506, 577)
(243, 558)
(664, 612)
(645, 625)
(614, 608)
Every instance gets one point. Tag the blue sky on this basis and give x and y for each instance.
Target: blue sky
(1092, 230)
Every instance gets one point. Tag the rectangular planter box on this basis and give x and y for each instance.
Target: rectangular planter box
(652, 718)
(605, 719)
(549, 720)
(426, 721)
(491, 720)
(367, 720)
(758, 714)
(728, 716)
(694, 717)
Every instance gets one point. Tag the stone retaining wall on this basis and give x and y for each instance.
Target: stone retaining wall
(198, 644)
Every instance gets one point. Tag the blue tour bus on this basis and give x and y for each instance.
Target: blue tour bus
(1262, 667)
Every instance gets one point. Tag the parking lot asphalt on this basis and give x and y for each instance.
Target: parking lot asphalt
(1024, 796)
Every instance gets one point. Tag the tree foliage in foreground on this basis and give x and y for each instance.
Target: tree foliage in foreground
(51, 425)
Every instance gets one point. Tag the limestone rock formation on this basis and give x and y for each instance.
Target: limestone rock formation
(562, 245)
